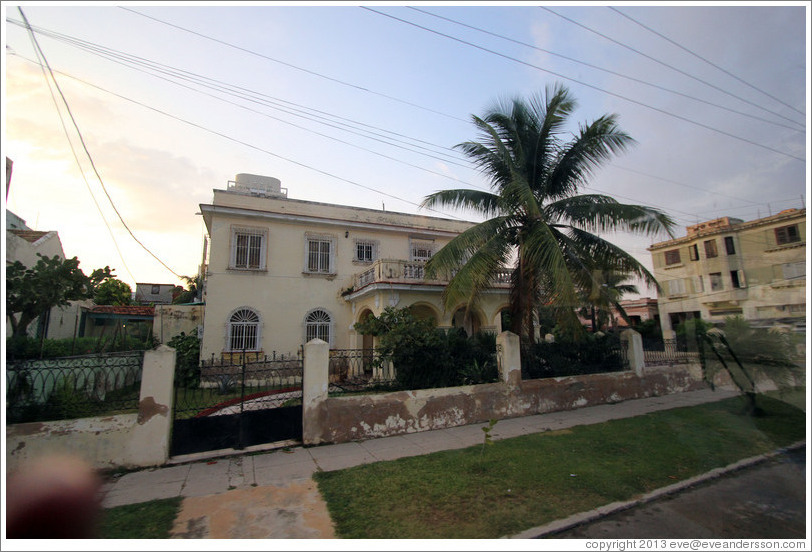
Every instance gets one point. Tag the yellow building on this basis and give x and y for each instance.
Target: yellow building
(728, 267)
(281, 271)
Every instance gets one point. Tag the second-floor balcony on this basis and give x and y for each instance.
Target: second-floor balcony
(392, 271)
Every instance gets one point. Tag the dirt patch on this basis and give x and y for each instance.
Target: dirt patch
(293, 511)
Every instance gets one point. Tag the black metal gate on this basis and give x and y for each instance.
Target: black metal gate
(223, 404)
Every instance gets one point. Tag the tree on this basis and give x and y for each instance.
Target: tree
(113, 292)
(537, 223)
(51, 282)
(601, 296)
(187, 295)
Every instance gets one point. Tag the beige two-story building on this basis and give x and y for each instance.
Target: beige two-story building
(282, 271)
(728, 267)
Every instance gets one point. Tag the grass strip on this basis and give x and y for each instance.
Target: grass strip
(528, 481)
(147, 520)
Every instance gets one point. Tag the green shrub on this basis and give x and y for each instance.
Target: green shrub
(425, 356)
(187, 358)
(24, 348)
(591, 354)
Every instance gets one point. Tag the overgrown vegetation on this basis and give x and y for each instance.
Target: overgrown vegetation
(425, 356)
(23, 348)
(571, 356)
(528, 481)
(187, 359)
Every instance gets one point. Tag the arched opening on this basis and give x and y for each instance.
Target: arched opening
(318, 325)
(243, 330)
(421, 311)
(468, 320)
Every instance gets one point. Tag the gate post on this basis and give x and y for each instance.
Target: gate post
(634, 350)
(149, 445)
(314, 389)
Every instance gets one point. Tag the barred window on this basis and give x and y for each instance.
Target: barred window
(247, 248)
(317, 325)
(421, 250)
(365, 251)
(710, 249)
(243, 331)
(787, 234)
(319, 254)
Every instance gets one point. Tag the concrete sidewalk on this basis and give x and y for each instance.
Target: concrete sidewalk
(272, 495)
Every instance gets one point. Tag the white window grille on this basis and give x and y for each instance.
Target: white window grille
(248, 248)
(421, 250)
(319, 255)
(318, 325)
(243, 330)
(365, 251)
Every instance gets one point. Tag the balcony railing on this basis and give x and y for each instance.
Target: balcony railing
(409, 272)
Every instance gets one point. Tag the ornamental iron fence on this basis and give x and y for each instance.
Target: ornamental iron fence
(73, 387)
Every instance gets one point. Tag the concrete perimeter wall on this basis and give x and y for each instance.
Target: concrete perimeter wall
(125, 440)
(353, 418)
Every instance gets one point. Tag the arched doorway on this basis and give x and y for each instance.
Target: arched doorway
(367, 344)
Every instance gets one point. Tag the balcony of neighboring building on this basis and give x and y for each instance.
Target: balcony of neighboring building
(408, 274)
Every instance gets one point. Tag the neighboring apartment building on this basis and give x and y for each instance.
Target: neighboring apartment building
(156, 294)
(24, 244)
(281, 271)
(728, 267)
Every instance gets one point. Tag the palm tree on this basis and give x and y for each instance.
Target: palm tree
(537, 223)
(603, 293)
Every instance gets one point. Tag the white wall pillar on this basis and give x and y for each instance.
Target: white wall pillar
(508, 358)
(314, 388)
(150, 441)
(634, 351)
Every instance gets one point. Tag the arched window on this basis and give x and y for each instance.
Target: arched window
(243, 330)
(317, 325)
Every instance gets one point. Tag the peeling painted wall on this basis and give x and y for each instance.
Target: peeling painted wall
(354, 418)
(103, 441)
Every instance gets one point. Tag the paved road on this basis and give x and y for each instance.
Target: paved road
(766, 501)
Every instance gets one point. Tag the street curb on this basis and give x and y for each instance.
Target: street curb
(586, 517)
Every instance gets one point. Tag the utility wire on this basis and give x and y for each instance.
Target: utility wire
(129, 60)
(298, 110)
(84, 146)
(680, 71)
(605, 70)
(722, 69)
(668, 113)
(308, 71)
(79, 165)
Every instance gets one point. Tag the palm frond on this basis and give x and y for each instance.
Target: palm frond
(601, 213)
(483, 202)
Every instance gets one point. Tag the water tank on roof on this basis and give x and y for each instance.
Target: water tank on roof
(258, 185)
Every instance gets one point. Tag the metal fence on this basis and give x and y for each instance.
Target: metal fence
(555, 360)
(354, 370)
(73, 387)
(220, 386)
(667, 352)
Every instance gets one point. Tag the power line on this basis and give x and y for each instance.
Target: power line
(79, 165)
(668, 113)
(722, 69)
(667, 65)
(84, 145)
(605, 70)
(308, 71)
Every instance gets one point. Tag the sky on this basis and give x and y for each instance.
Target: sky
(362, 104)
